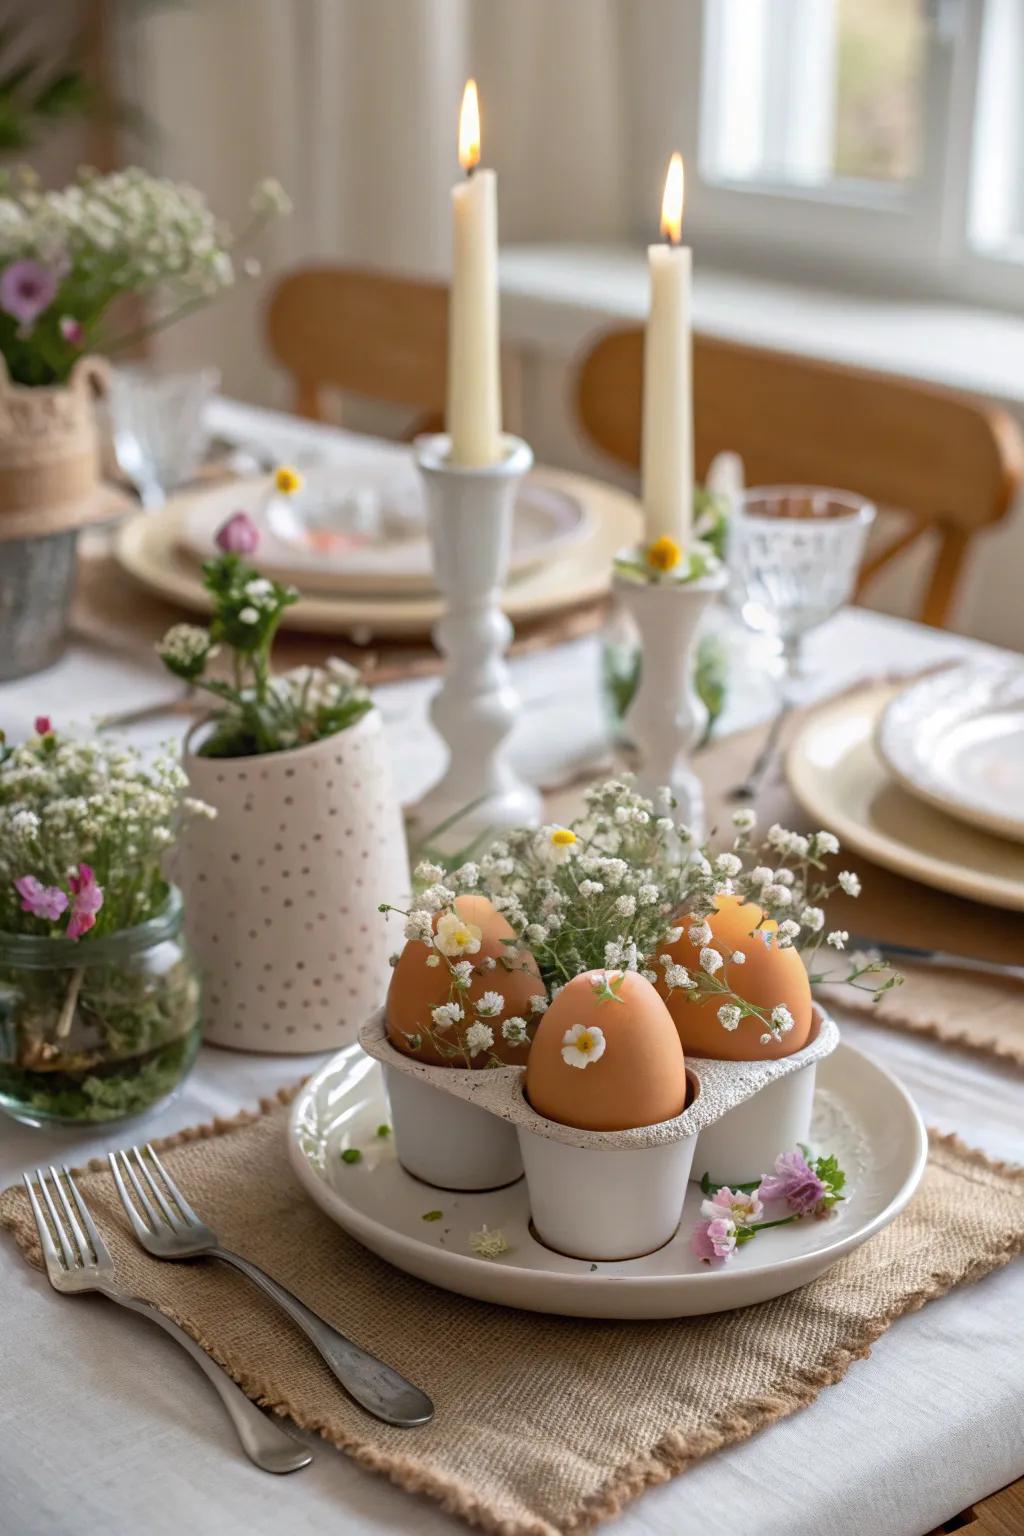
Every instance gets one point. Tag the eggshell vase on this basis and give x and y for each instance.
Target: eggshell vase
(282, 889)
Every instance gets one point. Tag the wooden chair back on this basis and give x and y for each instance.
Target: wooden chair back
(950, 463)
(363, 333)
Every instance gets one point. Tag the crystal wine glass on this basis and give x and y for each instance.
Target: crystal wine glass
(157, 420)
(793, 555)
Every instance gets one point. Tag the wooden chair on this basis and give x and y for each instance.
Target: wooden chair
(949, 463)
(365, 333)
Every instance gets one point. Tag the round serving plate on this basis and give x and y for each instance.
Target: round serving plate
(956, 739)
(302, 547)
(861, 1114)
(836, 773)
(148, 547)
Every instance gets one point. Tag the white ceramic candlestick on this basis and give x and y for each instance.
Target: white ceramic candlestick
(667, 718)
(470, 518)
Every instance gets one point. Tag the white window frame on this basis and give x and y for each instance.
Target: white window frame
(915, 237)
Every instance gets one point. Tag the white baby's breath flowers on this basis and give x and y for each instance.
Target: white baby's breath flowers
(479, 1037)
(426, 873)
(849, 882)
(677, 977)
(445, 1015)
(782, 1019)
(488, 1243)
(432, 960)
(699, 935)
(582, 1045)
(489, 1005)
(418, 925)
(536, 933)
(515, 1031)
(538, 1004)
(760, 874)
(186, 645)
(462, 973)
(729, 1016)
(788, 931)
(838, 938)
(813, 919)
(776, 895)
(710, 960)
(826, 843)
(728, 864)
(744, 820)
(270, 198)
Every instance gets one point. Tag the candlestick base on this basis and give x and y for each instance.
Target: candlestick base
(470, 519)
(667, 718)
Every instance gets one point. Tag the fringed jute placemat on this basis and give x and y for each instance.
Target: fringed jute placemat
(544, 1425)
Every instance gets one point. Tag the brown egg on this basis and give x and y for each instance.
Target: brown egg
(768, 976)
(606, 1056)
(417, 988)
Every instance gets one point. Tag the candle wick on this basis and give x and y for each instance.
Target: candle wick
(471, 170)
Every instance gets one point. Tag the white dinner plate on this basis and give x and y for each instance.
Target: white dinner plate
(148, 547)
(861, 1114)
(836, 773)
(956, 739)
(301, 541)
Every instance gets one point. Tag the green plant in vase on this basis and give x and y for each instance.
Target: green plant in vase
(99, 1001)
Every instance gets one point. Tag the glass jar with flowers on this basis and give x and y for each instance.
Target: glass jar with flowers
(66, 258)
(281, 890)
(99, 998)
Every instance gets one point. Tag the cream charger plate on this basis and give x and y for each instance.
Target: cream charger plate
(836, 773)
(956, 739)
(149, 548)
(861, 1114)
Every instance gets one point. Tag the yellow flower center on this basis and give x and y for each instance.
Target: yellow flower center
(287, 480)
(664, 554)
(585, 1043)
(461, 936)
(561, 837)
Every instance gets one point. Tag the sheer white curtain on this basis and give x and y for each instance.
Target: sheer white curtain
(353, 105)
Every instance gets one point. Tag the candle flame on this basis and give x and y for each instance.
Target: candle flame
(469, 128)
(672, 201)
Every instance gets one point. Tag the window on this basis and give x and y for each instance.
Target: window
(835, 135)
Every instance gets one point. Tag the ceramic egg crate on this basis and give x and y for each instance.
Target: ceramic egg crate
(609, 1140)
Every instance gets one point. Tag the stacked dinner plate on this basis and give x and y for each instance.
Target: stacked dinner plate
(354, 541)
(927, 779)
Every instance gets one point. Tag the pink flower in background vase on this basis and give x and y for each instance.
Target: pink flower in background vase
(238, 536)
(88, 899)
(72, 330)
(26, 289)
(43, 725)
(795, 1182)
(714, 1239)
(47, 901)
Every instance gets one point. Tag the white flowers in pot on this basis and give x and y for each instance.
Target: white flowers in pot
(282, 889)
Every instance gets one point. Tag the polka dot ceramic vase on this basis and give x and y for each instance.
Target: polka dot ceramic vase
(282, 889)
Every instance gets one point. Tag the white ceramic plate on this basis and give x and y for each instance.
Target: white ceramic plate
(861, 1113)
(956, 739)
(148, 547)
(840, 780)
(301, 543)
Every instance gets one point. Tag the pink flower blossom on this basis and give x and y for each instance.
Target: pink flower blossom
(238, 536)
(72, 330)
(741, 1206)
(794, 1182)
(88, 899)
(26, 289)
(714, 1239)
(47, 901)
(43, 725)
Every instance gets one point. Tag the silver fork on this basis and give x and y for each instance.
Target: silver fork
(78, 1260)
(169, 1228)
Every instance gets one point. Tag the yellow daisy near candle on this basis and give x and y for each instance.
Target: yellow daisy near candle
(664, 554)
(287, 480)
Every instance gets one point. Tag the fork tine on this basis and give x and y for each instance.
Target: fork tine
(69, 1261)
(154, 1220)
(172, 1218)
(175, 1193)
(51, 1257)
(138, 1225)
(78, 1236)
(99, 1247)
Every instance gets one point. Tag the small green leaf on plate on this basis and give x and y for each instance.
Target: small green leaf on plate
(432, 1215)
(351, 1155)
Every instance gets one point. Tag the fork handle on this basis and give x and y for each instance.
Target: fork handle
(267, 1444)
(374, 1385)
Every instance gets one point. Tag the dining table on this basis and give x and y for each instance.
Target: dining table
(105, 1427)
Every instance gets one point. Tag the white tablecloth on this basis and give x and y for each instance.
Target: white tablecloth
(106, 1426)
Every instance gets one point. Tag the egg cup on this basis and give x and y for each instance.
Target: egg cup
(597, 1195)
(744, 1143)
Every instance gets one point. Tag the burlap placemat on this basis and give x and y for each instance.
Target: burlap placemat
(544, 1425)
